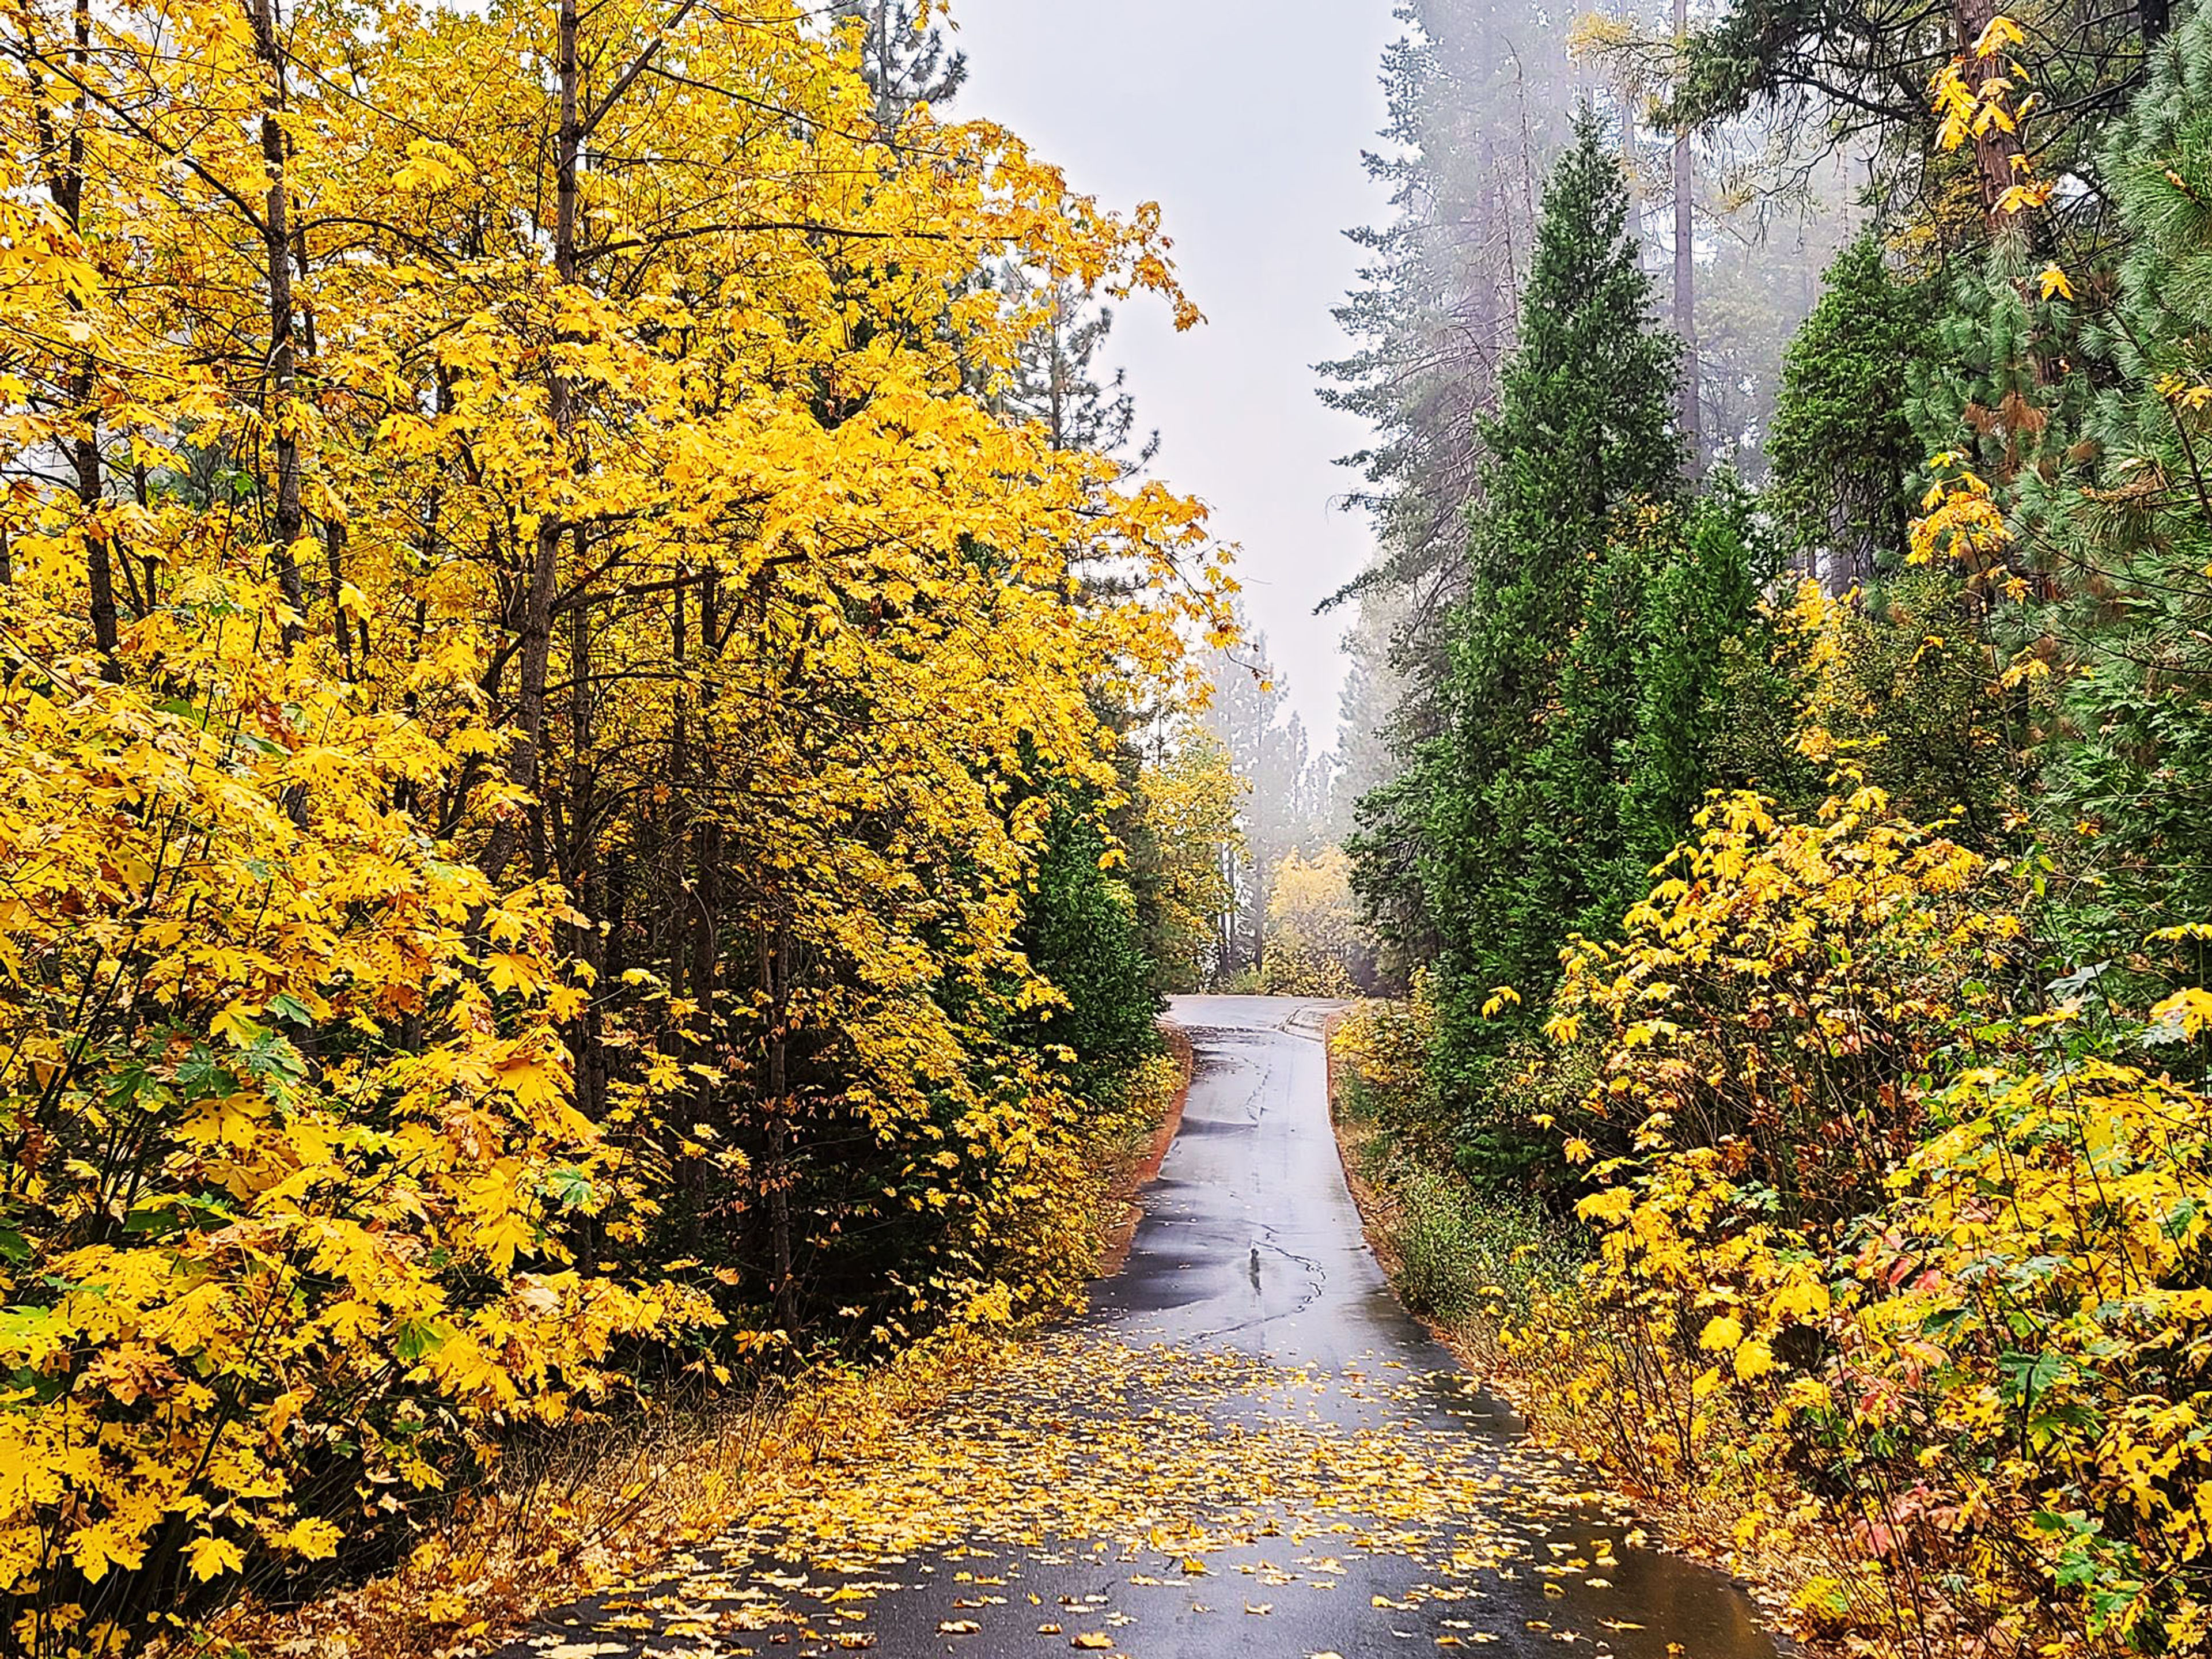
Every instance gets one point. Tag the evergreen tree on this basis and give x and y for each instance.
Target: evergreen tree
(1087, 930)
(2114, 528)
(1059, 381)
(1435, 313)
(1842, 450)
(1475, 92)
(903, 64)
(1520, 794)
(1700, 600)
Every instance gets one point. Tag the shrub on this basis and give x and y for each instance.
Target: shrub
(1884, 1265)
(1434, 1233)
(296, 1187)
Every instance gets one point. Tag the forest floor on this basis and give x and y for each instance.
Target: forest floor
(1246, 1448)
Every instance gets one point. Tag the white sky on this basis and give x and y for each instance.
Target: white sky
(1245, 120)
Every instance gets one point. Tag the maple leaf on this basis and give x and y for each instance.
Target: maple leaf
(210, 1556)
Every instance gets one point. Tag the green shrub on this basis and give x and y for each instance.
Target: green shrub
(1467, 1258)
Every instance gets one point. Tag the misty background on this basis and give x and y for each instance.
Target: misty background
(1245, 120)
(1353, 187)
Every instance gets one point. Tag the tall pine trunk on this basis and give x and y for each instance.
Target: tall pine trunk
(1685, 275)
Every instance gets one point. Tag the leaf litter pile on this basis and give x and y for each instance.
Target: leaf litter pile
(1095, 1493)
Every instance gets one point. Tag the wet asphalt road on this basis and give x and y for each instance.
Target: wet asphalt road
(1249, 1266)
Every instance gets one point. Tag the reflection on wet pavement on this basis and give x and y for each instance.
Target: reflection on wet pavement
(1247, 1449)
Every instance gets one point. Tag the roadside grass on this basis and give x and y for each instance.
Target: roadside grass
(1469, 1263)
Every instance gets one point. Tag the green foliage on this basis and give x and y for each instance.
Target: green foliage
(1573, 752)
(1436, 1234)
(2118, 539)
(1584, 436)
(1899, 689)
(1698, 602)
(1085, 932)
(1842, 448)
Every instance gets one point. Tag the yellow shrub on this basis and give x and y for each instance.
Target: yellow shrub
(1884, 1272)
(293, 1165)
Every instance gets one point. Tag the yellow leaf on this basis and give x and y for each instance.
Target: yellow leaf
(1754, 1360)
(1611, 1206)
(210, 1556)
(1721, 1335)
(1999, 32)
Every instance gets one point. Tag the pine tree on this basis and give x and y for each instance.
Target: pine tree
(1520, 795)
(2114, 528)
(1058, 380)
(904, 63)
(1474, 93)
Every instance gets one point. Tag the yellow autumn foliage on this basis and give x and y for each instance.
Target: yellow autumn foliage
(1313, 926)
(534, 670)
(1190, 797)
(296, 1170)
(1902, 1283)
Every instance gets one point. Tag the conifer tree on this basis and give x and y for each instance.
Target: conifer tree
(904, 63)
(1842, 448)
(2115, 544)
(1058, 379)
(1520, 793)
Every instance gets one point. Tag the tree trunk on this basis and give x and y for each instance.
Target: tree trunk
(524, 761)
(1994, 150)
(66, 189)
(1685, 275)
(283, 367)
(775, 974)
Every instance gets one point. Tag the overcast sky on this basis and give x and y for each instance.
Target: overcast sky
(1244, 120)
